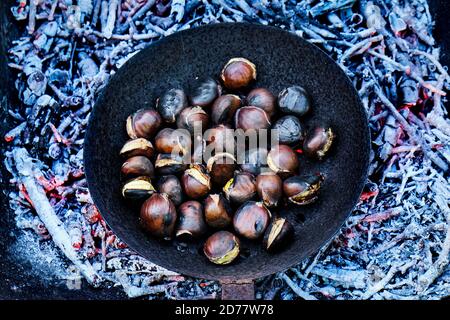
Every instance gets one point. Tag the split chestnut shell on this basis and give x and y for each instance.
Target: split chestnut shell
(318, 142)
(218, 213)
(190, 220)
(278, 234)
(302, 190)
(222, 247)
(158, 216)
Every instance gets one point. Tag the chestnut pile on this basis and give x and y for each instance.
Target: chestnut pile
(218, 196)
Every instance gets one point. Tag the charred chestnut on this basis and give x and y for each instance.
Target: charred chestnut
(238, 73)
(290, 130)
(139, 188)
(263, 99)
(221, 168)
(240, 188)
(173, 141)
(191, 118)
(255, 161)
(251, 117)
(143, 123)
(137, 147)
(196, 182)
(278, 234)
(170, 104)
(224, 108)
(158, 216)
(205, 93)
(171, 186)
(218, 213)
(251, 220)
(269, 187)
(137, 166)
(167, 164)
(222, 247)
(302, 190)
(318, 142)
(294, 100)
(282, 160)
(190, 222)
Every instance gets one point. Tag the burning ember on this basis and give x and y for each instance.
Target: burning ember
(396, 243)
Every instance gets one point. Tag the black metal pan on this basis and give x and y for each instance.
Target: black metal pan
(282, 59)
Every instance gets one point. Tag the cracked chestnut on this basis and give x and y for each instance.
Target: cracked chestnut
(224, 108)
(255, 161)
(137, 166)
(251, 220)
(190, 220)
(221, 168)
(143, 123)
(294, 100)
(318, 142)
(137, 147)
(139, 188)
(196, 182)
(220, 138)
(240, 188)
(263, 99)
(302, 190)
(269, 187)
(174, 141)
(192, 118)
(171, 186)
(158, 216)
(290, 130)
(250, 117)
(222, 247)
(205, 93)
(278, 234)
(238, 73)
(283, 160)
(167, 164)
(218, 213)
(171, 103)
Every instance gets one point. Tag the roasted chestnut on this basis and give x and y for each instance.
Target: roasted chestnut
(221, 139)
(198, 150)
(177, 142)
(294, 100)
(251, 117)
(158, 216)
(196, 182)
(137, 166)
(302, 190)
(318, 142)
(190, 220)
(269, 187)
(137, 147)
(278, 234)
(263, 99)
(139, 188)
(255, 161)
(251, 220)
(282, 160)
(167, 164)
(222, 247)
(290, 130)
(143, 123)
(218, 213)
(238, 73)
(191, 118)
(240, 188)
(170, 104)
(221, 168)
(171, 186)
(205, 93)
(223, 109)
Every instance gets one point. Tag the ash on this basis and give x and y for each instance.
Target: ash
(396, 243)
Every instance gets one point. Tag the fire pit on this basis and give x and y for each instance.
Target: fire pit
(394, 245)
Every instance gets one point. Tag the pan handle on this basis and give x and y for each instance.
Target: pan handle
(238, 290)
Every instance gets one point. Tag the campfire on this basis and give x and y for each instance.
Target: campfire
(395, 244)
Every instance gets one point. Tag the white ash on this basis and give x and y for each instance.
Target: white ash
(396, 243)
